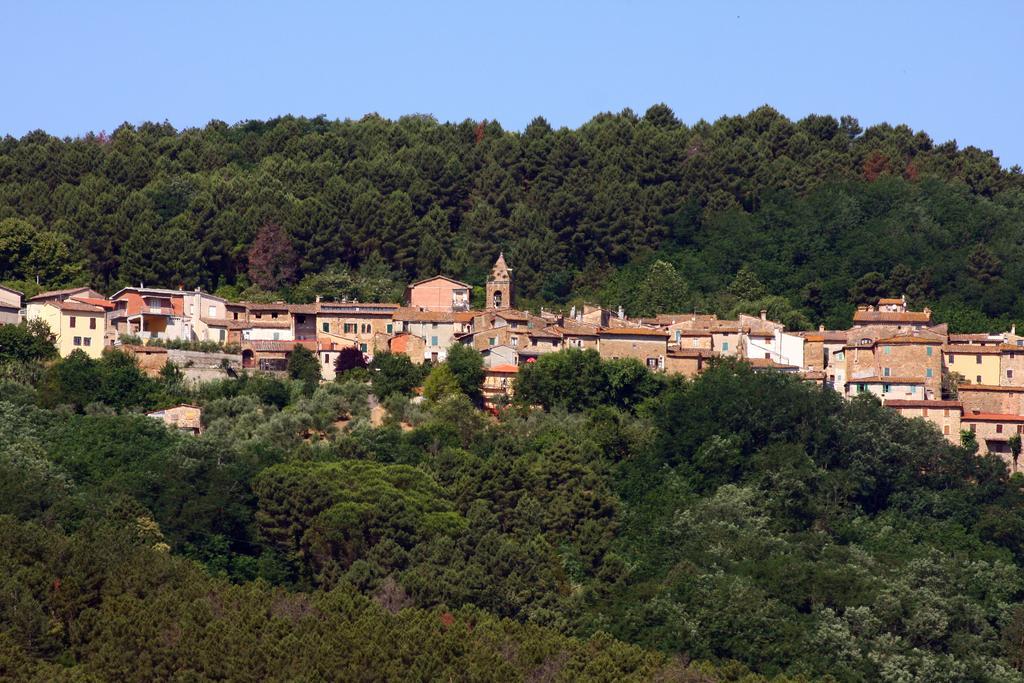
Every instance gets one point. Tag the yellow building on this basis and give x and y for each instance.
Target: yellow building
(76, 325)
(976, 363)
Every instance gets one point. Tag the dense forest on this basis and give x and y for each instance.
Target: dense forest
(612, 524)
(642, 211)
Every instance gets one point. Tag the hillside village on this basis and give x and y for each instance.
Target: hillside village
(960, 382)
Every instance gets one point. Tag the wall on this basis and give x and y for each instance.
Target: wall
(438, 295)
(640, 347)
(967, 364)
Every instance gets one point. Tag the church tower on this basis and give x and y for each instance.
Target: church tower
(499, 285)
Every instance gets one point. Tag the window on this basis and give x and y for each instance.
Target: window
(78, 341)
(362, 347)
(515, 342)
(972, 427)
(978, 379)
(945, 430)
(977, 358)
(433, 326)
(767, 356)
(259, 316)
(885, 372)
(235, 314)
(87, 341)
(950, 358)
(212, 311)
(433, 340)
(327, 358)
(928, 351)
(887, 350)
(223, 335)
(277, 336)
(325, 326)
(840, 356)
(273, 316)
(679, 335)
(928, 372)
(861, 388)
(696, 343)
(886, 388)
(1009, 374)
(652, 363)
(725, 346)
(71, 321)
(390, 327)
(945, 413)
(999, 429)
(491, 341)
(92, 323)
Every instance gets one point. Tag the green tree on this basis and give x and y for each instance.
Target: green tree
(394, 373)
(27, 342)
(467, 366)
(304, 366)
(440, 383)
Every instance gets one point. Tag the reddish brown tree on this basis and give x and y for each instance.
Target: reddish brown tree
(272, 258)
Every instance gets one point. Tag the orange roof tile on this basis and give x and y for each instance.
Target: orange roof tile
(898, 403)
(891, 317)
(992, 417)
(974, 349)
(418, 316)
(505, 367)
(632, 332)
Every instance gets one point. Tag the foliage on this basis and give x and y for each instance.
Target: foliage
(349, 358)
(26, 342)
(440, 383)
(394, 373)
(307, 206)
(467, 366)
(304, 366)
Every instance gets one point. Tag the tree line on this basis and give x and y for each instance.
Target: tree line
(639, 210)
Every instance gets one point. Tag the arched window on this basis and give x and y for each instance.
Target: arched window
(497, 299)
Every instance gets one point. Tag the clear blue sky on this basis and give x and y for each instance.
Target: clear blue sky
(953, 69)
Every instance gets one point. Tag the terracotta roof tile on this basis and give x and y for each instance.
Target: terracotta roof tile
(992, 417)
(418, 316)
(892, 317)
(632, 332)
(505, 367)
(897, 403)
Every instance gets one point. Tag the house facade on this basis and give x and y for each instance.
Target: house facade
(76, 325)
(439, 293)
(10, 306)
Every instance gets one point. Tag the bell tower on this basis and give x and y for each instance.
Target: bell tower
(499, 285)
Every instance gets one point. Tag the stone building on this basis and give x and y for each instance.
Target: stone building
(644, 344)
(499, 285)
(945, 415)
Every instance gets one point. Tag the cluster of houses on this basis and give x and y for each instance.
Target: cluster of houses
(897, 354)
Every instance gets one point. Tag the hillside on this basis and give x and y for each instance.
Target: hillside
(740, 526)
(820, 211)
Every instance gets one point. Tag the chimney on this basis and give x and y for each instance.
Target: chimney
(318, 298)
(1013, 329)
(622, 314)
(927, 311)
(821, 327)
(764, 314)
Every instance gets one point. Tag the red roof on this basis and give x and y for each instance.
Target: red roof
(992, 417)
(896, 403)
(504, 368)
(632, 332)
(102, 303)
(891, 317)
(73, 306)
